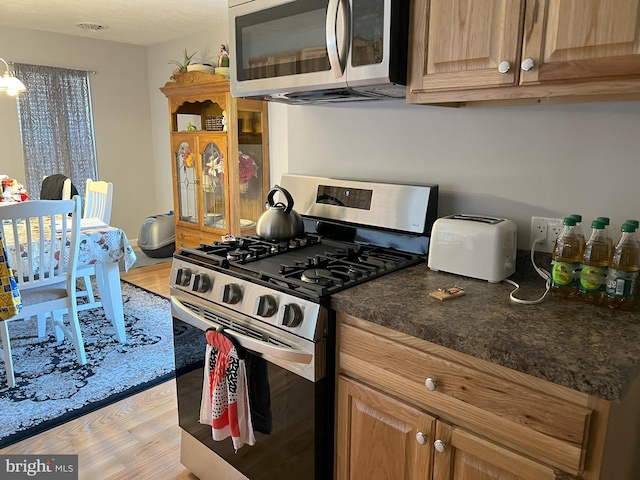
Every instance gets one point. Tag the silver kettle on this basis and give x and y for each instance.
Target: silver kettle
(280, 221)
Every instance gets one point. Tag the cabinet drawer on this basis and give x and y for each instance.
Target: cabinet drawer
(192, 238)
(519, 417)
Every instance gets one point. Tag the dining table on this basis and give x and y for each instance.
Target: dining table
(102, 247)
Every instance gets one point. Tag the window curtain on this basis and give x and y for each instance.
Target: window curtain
(56, 124)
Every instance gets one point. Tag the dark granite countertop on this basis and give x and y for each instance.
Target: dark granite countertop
(587, 348)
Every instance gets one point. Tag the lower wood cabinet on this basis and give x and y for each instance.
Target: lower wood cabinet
(460, 455)
(408, 409)
(381, 438)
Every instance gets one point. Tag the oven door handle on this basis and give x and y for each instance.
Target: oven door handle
(287, 354)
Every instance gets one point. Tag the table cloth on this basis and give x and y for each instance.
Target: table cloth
(100, 246)
(10, 300)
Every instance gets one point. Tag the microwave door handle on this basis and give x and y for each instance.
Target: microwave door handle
(282, 353)
(337, 52)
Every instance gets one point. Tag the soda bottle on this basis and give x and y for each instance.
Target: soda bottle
(607, 232)
(578, 218)
(594, 266)
(623, 270)
(565, 260)
(635, 223)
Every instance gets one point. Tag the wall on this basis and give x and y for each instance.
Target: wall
(509, 161)
(120, 98)
(514, 162)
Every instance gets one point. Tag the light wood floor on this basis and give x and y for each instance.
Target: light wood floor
(136, 438)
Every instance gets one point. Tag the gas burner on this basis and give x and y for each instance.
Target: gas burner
(237, 255)
(318, 276)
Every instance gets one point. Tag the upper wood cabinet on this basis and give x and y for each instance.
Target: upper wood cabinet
(581, 39)
(219, 158)
(524, 49)
(465, 42)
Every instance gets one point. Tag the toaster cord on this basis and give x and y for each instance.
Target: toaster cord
(541, 271)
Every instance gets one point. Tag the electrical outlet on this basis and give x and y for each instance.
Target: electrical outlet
(547, 229)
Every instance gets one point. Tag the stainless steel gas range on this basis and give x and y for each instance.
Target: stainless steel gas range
(271, 298)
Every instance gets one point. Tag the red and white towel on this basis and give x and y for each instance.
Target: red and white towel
(225, 399)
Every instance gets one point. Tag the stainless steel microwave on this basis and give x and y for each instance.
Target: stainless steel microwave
(316, 51)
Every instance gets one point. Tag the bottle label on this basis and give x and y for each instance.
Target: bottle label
(621, 284)
(592, 278)
(562, 273)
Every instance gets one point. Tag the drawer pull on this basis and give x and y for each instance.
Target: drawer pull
(440, 446)
(431, 384)
(421, 438)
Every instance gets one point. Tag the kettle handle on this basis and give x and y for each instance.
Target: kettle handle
(287, 195)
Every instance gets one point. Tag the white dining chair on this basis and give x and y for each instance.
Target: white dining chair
(44, 268)
(98, 199)
(50, 190)
(97, 204)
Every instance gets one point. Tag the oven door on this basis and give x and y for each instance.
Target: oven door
(293, 421)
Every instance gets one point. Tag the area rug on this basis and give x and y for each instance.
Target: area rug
(52, 388)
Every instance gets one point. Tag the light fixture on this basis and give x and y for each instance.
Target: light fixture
(10, 84)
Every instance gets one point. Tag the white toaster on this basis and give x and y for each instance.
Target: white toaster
(474, 246)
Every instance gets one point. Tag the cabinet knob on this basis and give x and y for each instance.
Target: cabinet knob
(504, 67)
(527, 64)
(440, 446)
(421, 438)
(431, 384)
(183, 235)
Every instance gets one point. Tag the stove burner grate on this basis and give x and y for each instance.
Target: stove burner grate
(250, 248)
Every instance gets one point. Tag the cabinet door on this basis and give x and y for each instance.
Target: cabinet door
(459, 455)
(215, 178)
(581, 39)
(186, 179)
(379, 437)
(251, 183)
(462, 44)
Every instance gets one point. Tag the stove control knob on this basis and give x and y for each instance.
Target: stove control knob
(231, 293)
(292, 315)
(183, 276)
(266, 305)
(201, 283)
